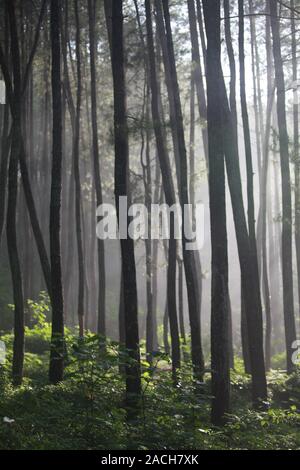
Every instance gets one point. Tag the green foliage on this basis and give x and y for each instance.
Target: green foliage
(87, 411)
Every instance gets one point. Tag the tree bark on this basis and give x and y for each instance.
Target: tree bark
(101, 329)
(296, 146)
(169, 191)
(57, 338)
(188, 256)
(286, 241)
(133, 379)
(251, 294)
(219, 264)
(81, 293)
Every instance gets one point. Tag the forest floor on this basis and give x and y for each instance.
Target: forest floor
(86, 411)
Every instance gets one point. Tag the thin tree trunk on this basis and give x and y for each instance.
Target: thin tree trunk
(168, 190)
(101, 329)
(57, 338)
(11, 229)
(296, 147)
(180, 301)
(197, 72)
(287, 266)
(230, 52)
(263, 203)
(248, 153)
(188, 256)
(81, 293)
(5, 140)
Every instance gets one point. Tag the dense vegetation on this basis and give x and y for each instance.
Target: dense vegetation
(87, 410)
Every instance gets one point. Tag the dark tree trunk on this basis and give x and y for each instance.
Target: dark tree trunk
(263, 197)
(166, 330)
(197, 72)
(148, 245)
(57, 339)
(219, 266)
(155, 253)
(12, 245)
(249, 275)
(180, 301)
(230, 52)
(201, 30)
(16, 111)
(5, 139)
(97, 176)
(169, 191)
(296, 147)
(11, 229)
(81, 293)
(287, 267)
(188, 256)
(133, 378)
(248, 153)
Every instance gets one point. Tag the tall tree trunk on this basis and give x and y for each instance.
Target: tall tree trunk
(81, 293)
(133, 378)
(168, 190)
(155, 253)
(219, 266)
(287, 266)
(249, 275)
(296, 146)
(5, 139)
(248, 153)
(263, 197)
(188, 256)
(97, 176)
(57, 338)
(11, 229)
(233, 109)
